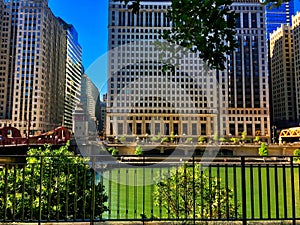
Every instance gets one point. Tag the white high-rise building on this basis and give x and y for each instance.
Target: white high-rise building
(192, 100)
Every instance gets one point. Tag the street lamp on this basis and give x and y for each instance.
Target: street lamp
(273, 133)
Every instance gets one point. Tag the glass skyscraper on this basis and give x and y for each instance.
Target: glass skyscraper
(277, 16)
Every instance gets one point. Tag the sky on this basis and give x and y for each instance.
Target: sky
(90, 19)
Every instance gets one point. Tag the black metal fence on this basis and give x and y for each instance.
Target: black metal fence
(143, 188)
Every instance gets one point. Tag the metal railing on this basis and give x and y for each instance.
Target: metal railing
(135, 188)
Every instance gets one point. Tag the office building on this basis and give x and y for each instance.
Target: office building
(32, 67)
(296, 45)
(74, 71)
(90, 102)
(145, 100)
(277, 16)
(102, 124)
(283, 77)
(248, 89)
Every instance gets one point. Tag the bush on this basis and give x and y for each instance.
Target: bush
(154, 139)
(201, 139)
(122, 139)
(175, 193)
(139, 150)
(222, 139)
(54, 180)
(297, 153)
(165, 139)
(257, 139)
(263, 150)
(115, 151)
(189, 140)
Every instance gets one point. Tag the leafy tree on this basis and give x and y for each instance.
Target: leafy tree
(263, 150)
(206, 27)
(52, 184)
(183, 193)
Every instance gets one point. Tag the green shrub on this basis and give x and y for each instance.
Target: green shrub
(165, 139)
(263, 150)
(201, 139)
(297, 153)
(154, 139)
(189, 140)
(54, 183)
(139, 150)
(210, 199)
(115, 152)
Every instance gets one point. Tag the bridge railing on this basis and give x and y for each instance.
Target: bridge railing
(4, 141)
(149, 188)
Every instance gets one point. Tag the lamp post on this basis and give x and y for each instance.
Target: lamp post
(273, 133)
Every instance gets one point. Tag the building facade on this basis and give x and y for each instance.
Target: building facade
(74, 71)
(90, 100)
(32, 67)
(283, 77)
(248, 89)
(296, 45)
(193, 100)
(277, 16)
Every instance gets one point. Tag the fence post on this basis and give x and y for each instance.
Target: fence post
(92, 215)
(144, 174)
(244, 202)
(40, 191)
(293, 190)
(194, 192)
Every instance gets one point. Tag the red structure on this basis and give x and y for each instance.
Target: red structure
(10, 132)
(57, 136)
(12, 136)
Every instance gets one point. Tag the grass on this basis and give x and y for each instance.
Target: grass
(128, 188)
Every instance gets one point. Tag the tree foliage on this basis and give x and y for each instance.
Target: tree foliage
(52, 184)
(184, 192)
(207, 27)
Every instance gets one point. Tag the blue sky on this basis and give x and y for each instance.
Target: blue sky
(90, 18)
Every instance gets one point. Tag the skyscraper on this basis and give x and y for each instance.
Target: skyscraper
(143, 99)
(296, 44)
(90, 101)
(32, 66)
(248, 89)
(74, 72)
(283, 76)
(277, 16)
